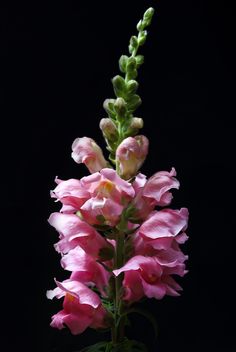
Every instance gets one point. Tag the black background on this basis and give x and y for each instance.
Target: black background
(57, 62)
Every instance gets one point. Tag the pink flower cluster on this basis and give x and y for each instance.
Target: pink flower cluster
(100, 200)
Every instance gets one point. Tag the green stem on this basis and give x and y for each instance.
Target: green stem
(118, 329)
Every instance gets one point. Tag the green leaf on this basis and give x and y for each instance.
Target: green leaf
(98, 347)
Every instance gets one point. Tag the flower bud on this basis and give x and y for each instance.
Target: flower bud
(147, 17)
(108, 106)
(108, 128)
(136, 123)
(132, 86)
(123, 62)
(120, 106)
(118, 85)
(86, 151)
(131, 154)
(142, 37)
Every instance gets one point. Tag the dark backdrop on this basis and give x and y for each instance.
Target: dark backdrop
(57, 62)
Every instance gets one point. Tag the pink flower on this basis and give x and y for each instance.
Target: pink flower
(85, 269)
(150, 276)
(70, 193)
(73, 232)
(107, 183)
(101, 210)
(161, 230)
(82, 307)
(131, 154)
(153, 192)
(158, 186)
(86, 151)
(109, 194)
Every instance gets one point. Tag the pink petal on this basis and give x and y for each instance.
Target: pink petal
(123, 185)
(157, 290)
(165, 223)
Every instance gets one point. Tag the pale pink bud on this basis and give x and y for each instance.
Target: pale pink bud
(108, 128)
(136, 123)
(86, 151)
(131, 154)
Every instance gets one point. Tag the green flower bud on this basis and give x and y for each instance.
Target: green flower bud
(131, 49)
(132, 86)
(131, 64)
(132, 74)
(147, 17)
(108, 105)
(134, 127)
(142, 37)
(123, 63)
(139, 60)
(118, 85)
(109, 129)
(134, 102)
(120, 107)
(134, 41)
(140, 26)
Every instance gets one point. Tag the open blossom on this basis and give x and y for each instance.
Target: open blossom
(131, 154)
(153, 192)
(70, 193)
(73, 232)
(161, 230)
(82, 307)
(101, 196)
(109, 194)
(85, 268)
(85, 150)
(150, 276)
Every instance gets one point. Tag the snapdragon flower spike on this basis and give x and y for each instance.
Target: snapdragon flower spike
(114, 237)
(82, 308)
(86, 151)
